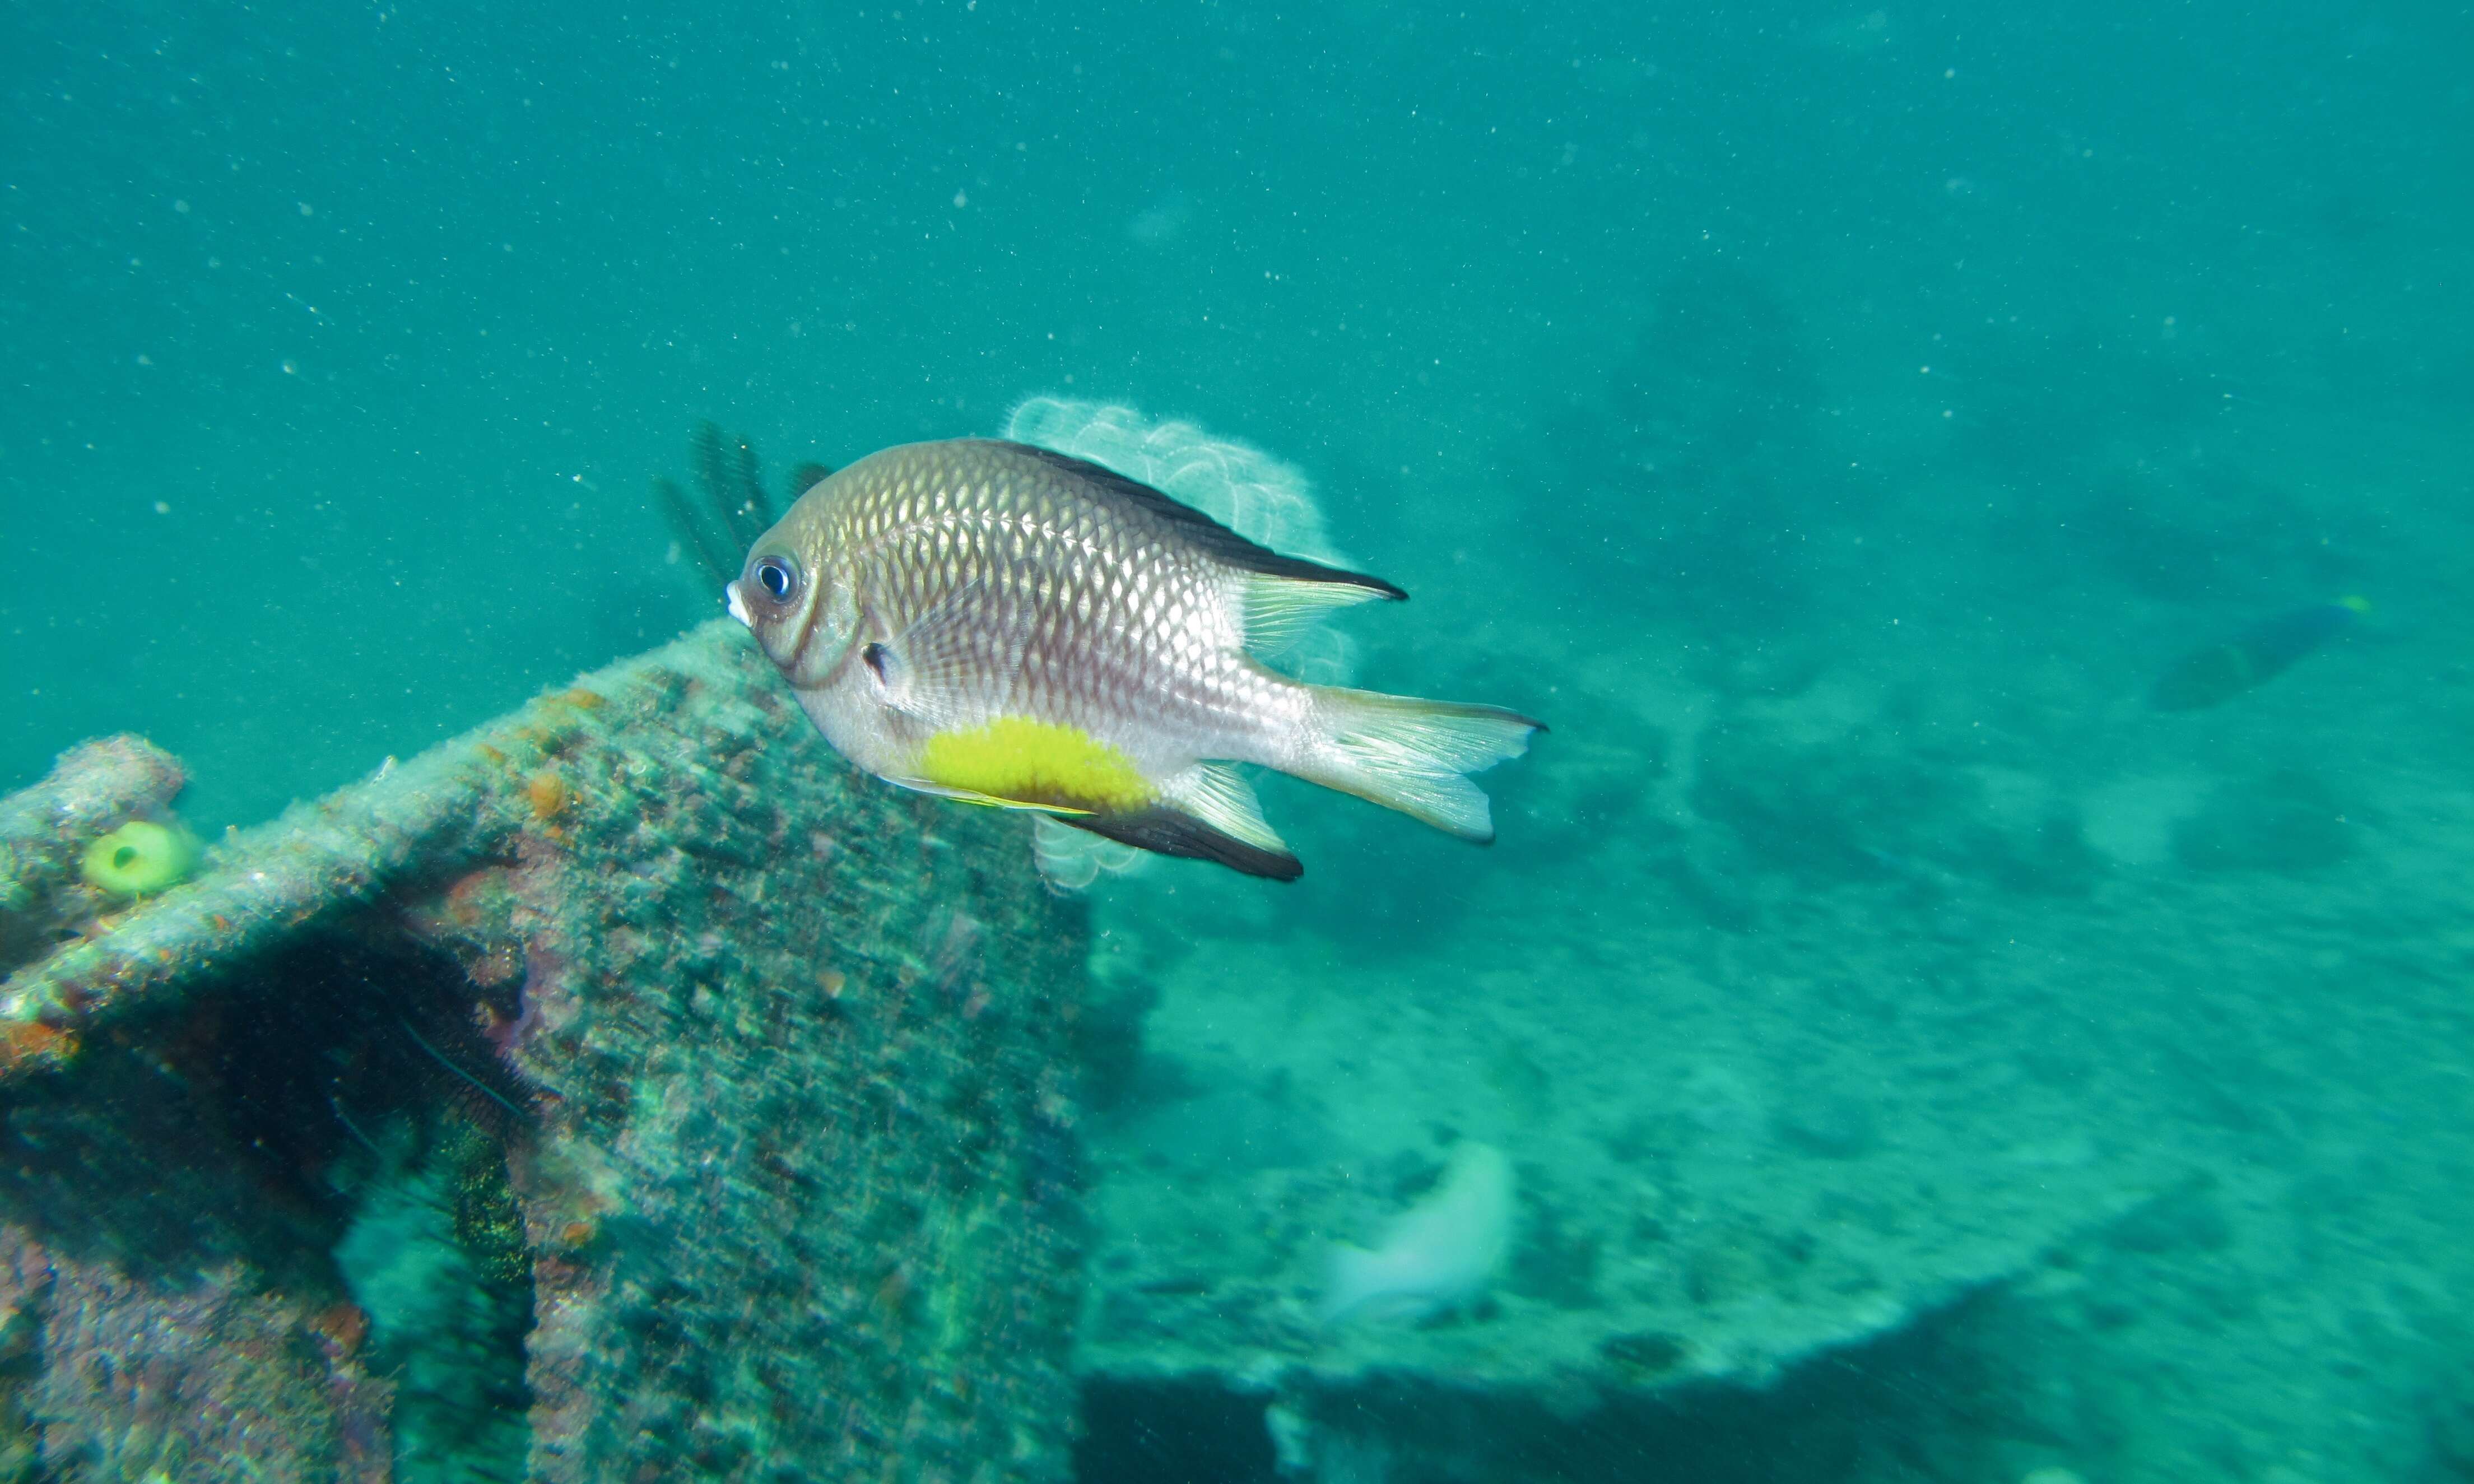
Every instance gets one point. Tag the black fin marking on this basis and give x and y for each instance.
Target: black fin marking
(1200, 529)
(1169, 832)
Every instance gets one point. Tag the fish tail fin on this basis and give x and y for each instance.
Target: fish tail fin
(1412, 755)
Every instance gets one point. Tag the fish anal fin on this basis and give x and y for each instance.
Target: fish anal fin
(1172, 832)
(1222, 801)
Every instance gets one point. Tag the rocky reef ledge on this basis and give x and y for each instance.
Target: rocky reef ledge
(730, 1092)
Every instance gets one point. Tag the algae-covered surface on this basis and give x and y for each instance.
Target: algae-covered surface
(1986, 1101)
(616, 1091)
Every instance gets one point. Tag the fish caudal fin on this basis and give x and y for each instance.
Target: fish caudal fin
(1414, 756)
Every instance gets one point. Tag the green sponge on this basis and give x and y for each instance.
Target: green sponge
(140, 859)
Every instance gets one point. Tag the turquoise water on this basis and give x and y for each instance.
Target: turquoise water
(1833, 422)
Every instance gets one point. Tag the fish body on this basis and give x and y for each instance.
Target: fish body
(1439, 1253)
(2261, 652)
(1004, 625)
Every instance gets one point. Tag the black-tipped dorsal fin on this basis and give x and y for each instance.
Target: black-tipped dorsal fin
(1204, 532)
(1173, 832)
(1279, 609)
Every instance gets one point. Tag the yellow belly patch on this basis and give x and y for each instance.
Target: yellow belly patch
(1014, 761)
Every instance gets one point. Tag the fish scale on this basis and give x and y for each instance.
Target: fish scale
(1122, 630)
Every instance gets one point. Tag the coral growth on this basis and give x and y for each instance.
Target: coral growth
(668, 1106)
(140, 859)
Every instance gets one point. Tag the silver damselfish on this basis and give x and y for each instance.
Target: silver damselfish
(1000, 623)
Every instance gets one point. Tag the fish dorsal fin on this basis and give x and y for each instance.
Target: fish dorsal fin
(1206, 533)
(951, 663)
(1279, 609)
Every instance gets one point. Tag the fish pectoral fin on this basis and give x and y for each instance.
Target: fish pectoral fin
(939, 610)
(1278, 609)
(1220, 800)
(1168, 831)
(951, 662)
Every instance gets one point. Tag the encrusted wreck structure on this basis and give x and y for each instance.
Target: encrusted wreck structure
(621, 1090)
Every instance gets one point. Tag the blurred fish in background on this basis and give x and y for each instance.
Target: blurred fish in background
(1163, 222)
(2212, 676)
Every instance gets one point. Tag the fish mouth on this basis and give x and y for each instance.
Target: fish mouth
(738, 605)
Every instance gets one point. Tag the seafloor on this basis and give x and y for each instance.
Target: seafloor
(1919, 1059)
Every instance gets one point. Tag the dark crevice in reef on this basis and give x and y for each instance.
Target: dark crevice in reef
(1173, 1432)
(1908, 1405)
(412, 1107)
(331, 1111)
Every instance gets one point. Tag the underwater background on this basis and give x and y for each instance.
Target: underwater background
(1975, 980)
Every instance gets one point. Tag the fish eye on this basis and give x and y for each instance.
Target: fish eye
(777, 577)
